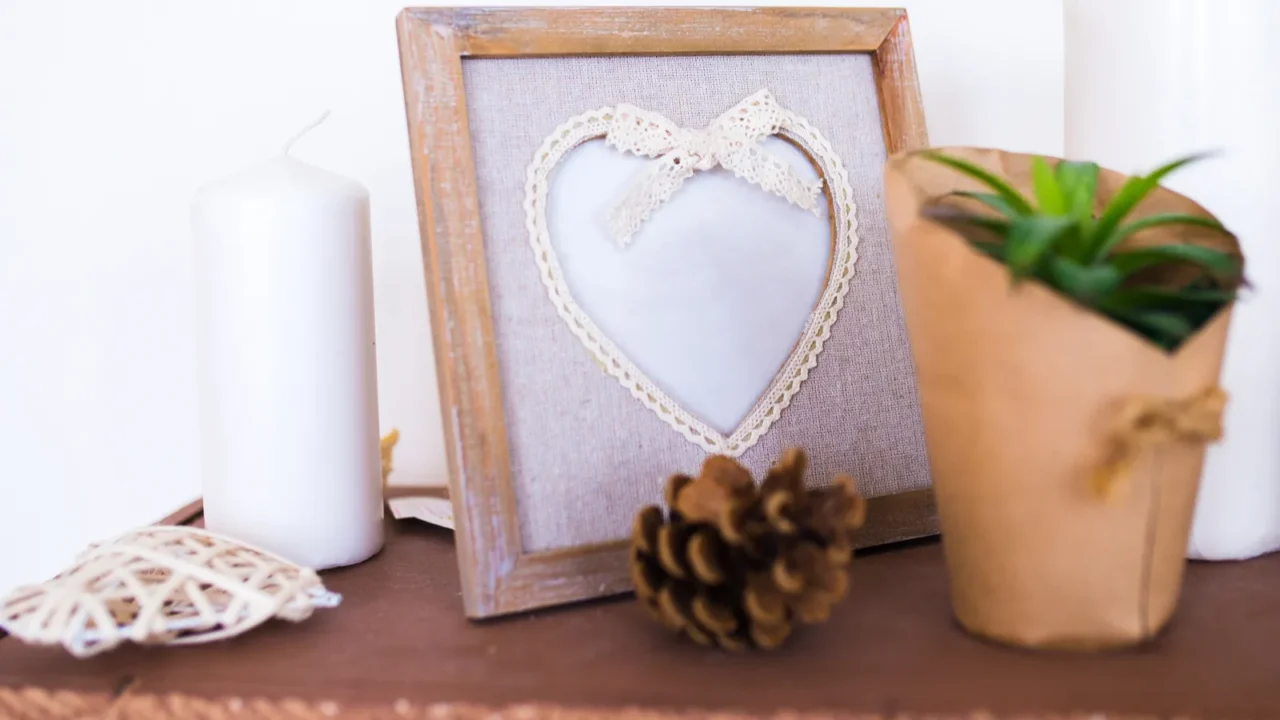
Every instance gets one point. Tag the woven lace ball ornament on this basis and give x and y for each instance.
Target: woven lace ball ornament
(162, 585)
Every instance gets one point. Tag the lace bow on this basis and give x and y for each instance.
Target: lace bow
(730, 141)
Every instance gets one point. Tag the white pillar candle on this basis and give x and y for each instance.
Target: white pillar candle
(1148, 81)
(288, 390)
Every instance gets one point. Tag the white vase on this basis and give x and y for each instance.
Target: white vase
(1148, 81)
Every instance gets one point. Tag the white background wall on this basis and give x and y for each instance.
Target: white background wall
(113, 113)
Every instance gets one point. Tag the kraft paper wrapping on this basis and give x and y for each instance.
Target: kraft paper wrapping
(1019, 390)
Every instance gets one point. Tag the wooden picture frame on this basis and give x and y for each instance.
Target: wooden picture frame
(498, 574)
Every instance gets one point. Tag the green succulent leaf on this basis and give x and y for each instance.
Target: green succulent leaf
(1079, 181)
(993, 250)
(1165, 328)
(1131, 193)
(986, 177)
(1147, 298)
(1086, 283)
(992, 200)
(1166, 315)
(1048, 190)
(1158, 220)
(1167, 323)
(1214, 261)
(1029, 239)
(996, 225)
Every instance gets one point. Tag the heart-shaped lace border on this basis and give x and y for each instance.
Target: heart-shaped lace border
(793, 373)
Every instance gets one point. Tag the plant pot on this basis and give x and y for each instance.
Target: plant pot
(1022, 393)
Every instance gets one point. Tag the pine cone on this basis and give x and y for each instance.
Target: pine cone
(737, 566)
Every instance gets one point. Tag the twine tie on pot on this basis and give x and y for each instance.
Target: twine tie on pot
(1145, 422)
(731, 141)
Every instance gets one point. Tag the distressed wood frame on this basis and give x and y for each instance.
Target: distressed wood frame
(498, 575)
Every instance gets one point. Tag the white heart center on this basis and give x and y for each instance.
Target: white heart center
(715, 291)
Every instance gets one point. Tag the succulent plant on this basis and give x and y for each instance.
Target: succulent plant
(1060, 238)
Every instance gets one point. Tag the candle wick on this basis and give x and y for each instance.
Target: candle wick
(298, 135)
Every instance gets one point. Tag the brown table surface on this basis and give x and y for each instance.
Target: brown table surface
(399, 639)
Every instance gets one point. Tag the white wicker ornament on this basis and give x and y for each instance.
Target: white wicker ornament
(162, 585)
